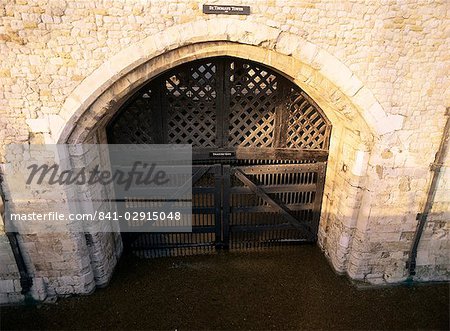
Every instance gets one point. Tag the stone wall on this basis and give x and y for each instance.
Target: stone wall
(379, 70)
(65, 257)
(433, 255)
(9, 274)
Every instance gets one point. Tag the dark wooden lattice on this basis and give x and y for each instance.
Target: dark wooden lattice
(268, 191)
(254, 96)
(307, 127)
(139, 124)
(224, 103)
(191, 105)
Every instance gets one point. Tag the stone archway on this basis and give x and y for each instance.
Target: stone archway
(357, 118)
(321, 74)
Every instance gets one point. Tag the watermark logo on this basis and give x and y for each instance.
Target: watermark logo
(136, 188)
(141, 173)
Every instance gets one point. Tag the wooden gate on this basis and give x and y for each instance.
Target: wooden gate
(261, 145)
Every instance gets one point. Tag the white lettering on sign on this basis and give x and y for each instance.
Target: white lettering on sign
(226, 9)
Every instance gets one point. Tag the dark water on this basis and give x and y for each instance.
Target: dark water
(278, 289)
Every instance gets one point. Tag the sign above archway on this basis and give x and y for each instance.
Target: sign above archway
(226, 9)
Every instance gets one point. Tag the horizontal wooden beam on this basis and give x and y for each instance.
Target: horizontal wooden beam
(263, 153)
(276, 188)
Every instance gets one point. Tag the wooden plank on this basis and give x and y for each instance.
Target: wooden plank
(269, 209)
(262, 153)
(278, 141)
(144, 152)
(195, 229)
(277, 206)
(168, 169)
(164, 105)
(195, 177)
(195, 210)
(171, 246)
(158, 111)
(275, 188)
(226, 103)
(203, 190)
(226, 196)
(318, 198)
(203, 229)
(220, 103)
(175, 192)
(328, 137)
(218, 205)
(203, 210)
(279, 168)
(261, 228)
(281, 117)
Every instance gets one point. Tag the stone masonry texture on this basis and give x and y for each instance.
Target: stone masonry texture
(394, 53)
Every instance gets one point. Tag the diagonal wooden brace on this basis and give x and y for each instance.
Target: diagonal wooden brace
(277, 206)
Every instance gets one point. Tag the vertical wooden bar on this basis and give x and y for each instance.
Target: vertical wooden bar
(226, 102)
(318, 199)
(164, 110)
(218, 205)
(327, 137)
(226, 206)
(156, 104)
(220, 105)
(281, 117)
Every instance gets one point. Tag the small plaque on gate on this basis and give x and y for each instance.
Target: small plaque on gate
(220, 154)
(226, 9)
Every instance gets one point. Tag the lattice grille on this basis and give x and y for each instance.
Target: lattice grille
(254, 197)
(137, 124)
(222, 102)
(191, 105)
(307, 128)
(252, 105)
